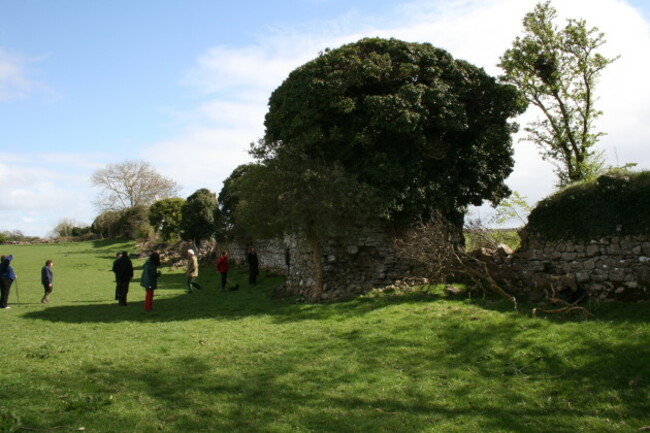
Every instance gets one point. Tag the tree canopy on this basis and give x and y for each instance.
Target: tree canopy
(198, 216)
(132, 183)
(165, 217)
(557, 70)
(423, 129)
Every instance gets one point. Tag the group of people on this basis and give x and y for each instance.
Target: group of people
(123, 270)
(8, 276)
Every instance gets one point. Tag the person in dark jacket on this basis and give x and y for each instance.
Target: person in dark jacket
(123, 268)
(117, 285)
(222, 268)
(149, 279)
(253, 266)
(7, 277)
(47, 279)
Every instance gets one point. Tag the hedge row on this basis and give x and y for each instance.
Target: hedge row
(616, 203)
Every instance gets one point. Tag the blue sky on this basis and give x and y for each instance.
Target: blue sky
(184, 84)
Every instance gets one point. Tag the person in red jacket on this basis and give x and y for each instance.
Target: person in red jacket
(222, 268)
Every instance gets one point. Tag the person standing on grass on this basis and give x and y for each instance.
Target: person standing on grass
(47, 279)
(222, 268)
(149, 279)
(117, 284)
(192, 271)
(123, 268)
(7, 277)
(253, 266)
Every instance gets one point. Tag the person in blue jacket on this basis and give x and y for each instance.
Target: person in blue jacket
(7, 277)
(47, 279)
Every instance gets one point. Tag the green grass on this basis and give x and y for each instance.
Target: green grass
(509, 237)
(242, 361)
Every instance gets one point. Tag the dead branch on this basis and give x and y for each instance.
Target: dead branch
(437, 247)
(567, 307)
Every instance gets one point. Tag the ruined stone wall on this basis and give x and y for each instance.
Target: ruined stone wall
(353, 264)
(614, 267)
(271, 253)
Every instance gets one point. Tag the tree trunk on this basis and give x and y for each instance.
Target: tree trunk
(317, 265)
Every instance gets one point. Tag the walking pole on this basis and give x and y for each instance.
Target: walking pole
(17, 295)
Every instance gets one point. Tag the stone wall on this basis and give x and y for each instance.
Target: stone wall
(614, 267)
(353, 264)
(271, 253)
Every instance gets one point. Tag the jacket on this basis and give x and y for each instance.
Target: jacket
(6, 271)
(222, 264)
(47, 276)
(192, 267)
(149, 279)
(123, 268)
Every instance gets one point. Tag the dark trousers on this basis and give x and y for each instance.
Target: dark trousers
(122, 291)
(191, 283)
(252, 276)
(47, 289)
(224, 279)
(5, 287)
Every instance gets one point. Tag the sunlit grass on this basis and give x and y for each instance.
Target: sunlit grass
(214, 361)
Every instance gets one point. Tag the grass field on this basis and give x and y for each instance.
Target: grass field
(215, 361)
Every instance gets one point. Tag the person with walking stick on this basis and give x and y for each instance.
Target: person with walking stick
(7, 277)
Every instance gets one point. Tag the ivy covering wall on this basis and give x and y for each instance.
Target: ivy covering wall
(615, 203)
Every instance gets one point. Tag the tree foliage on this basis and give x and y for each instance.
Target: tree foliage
(378, 129)
(557, 70)
(130, 184)
(199, 215)
(104, 224)
(228, 201)
(165, 218)
(422, 129)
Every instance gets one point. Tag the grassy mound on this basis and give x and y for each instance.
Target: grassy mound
(617, 203)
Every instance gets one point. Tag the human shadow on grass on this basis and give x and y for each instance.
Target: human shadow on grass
(172, 303)
(359, 384)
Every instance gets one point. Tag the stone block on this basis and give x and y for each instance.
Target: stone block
(569, 256)
(614, 249)
(617, 275)
(592, 250)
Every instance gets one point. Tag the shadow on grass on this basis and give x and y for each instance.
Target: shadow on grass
(172, 303)
(361, 384)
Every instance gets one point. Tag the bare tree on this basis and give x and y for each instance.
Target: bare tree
(129, 184)
(64, 228)
(436, 247)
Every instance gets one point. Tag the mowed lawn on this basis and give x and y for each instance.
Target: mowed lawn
(214, 361)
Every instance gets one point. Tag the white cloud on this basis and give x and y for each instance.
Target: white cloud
(40, 189)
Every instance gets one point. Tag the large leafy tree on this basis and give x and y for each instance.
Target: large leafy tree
(165, 217)
(422, 129)
(198, 216)
(380, 128)
(557, 70)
